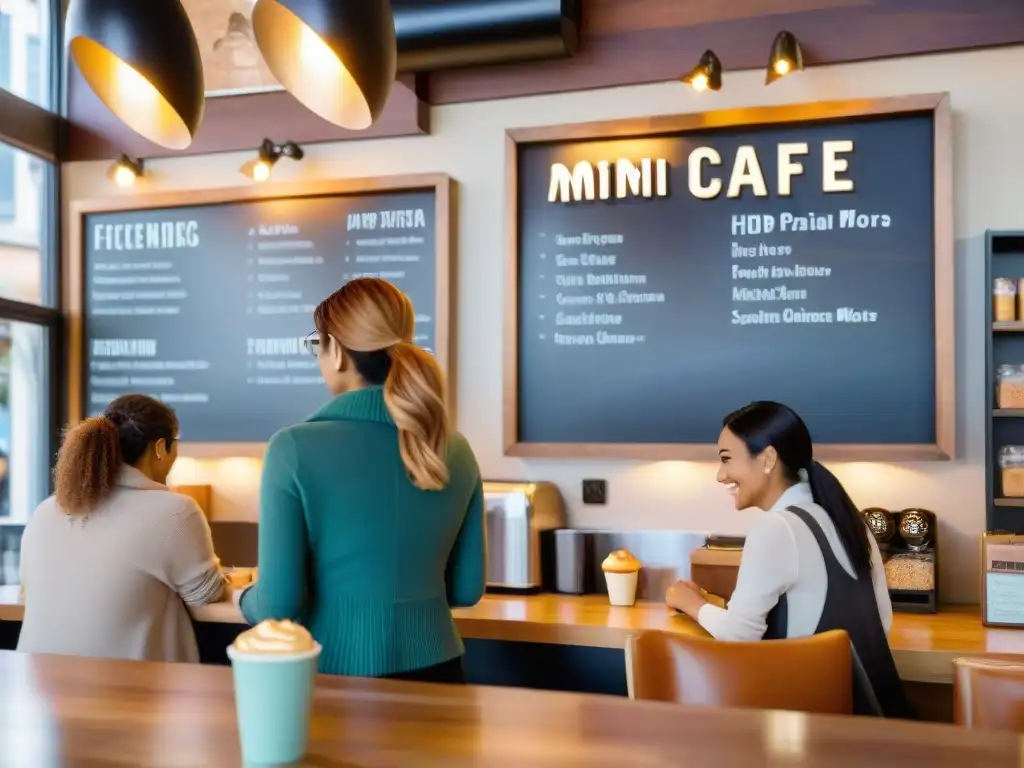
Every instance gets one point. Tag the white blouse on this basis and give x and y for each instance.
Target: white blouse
(782, 557)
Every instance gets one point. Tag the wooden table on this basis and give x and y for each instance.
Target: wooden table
(65, 711)
(924, 645)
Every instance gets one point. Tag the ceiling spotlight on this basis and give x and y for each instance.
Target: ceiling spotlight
(142, 60)
(261, 166)
(125, 171)
(707, 75)
(786, 57)
(337, 57)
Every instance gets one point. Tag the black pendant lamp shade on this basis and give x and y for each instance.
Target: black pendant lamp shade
(142, 59)
(785, 58)
(707, 75)
(337, 57)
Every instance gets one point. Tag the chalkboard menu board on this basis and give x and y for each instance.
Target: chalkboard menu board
(204, 299)
(667, 271)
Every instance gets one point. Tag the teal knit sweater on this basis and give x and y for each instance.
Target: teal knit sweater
(352, 550)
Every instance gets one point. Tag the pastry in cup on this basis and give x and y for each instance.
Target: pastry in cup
(621, 571)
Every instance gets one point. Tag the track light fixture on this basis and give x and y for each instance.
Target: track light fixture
(337, 57)
(707, 75)
(786, 57)
(261, 166)
(125, 171)
(141, 58)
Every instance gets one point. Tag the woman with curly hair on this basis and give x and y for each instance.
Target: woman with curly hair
(112, 560)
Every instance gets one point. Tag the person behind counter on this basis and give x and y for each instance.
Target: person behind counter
(371, 512)
(111, 560)
(809, 564)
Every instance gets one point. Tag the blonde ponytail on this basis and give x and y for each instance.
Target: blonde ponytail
(414, 395)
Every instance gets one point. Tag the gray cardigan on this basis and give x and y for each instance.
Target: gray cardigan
(116, 582)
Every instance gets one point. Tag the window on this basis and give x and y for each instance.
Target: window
(25, 33)
(6, 153)
(6, 54)
(34, 90)
(25, 427)
(25, 253)
(31, 326)
(6, 184)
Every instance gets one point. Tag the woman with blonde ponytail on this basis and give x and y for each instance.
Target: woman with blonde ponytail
(110, 561)
(371, 511)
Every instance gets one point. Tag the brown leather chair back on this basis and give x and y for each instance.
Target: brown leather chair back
(989, 694)
(810, 674)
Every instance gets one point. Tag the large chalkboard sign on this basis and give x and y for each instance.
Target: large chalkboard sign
(203, 299)
(665, 271)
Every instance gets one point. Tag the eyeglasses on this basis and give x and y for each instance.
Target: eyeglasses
(312, 343)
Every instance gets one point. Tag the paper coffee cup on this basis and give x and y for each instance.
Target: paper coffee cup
(274, 702)
(621, 587)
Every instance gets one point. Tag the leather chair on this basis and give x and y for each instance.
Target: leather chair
(809, 674)
(989, 694)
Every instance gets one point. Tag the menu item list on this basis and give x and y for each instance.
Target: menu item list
(206, 308)
(666, 281)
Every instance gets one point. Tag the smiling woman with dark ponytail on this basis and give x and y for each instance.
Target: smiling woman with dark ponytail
(809, 563)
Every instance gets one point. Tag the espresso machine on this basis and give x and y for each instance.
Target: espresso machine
(520, 521)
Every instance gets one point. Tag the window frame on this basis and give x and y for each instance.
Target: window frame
(55, 399)
(42, 133)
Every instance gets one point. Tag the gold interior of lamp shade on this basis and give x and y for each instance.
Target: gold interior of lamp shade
(307, 67)
(129, 95)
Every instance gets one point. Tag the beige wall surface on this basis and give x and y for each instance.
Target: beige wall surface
(468, 143)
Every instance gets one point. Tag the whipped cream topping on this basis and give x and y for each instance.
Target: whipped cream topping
(620, 561)
(273, 636)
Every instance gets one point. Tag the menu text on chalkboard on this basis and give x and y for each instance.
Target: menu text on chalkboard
(205, 304)
(666, 273)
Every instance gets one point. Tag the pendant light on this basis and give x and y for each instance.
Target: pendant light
(707, 75)
(786, 57)
(142, 60)
(337, 57)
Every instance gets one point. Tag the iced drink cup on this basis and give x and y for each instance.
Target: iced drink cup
(274, 666)
(621, 571)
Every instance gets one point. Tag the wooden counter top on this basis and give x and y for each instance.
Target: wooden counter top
(77, 712)
(924, 645)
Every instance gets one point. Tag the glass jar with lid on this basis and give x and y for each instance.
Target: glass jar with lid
(1004, 300)
(1010, 386)
(1011, 465)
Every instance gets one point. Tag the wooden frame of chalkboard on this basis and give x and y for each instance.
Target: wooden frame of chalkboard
(934, 106)
(442, 186)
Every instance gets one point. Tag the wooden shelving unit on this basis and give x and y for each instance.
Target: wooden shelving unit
(1004, 345)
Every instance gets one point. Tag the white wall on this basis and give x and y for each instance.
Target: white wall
(468, 143)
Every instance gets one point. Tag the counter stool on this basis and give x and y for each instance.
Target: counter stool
(989, 694)
(807, 674)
